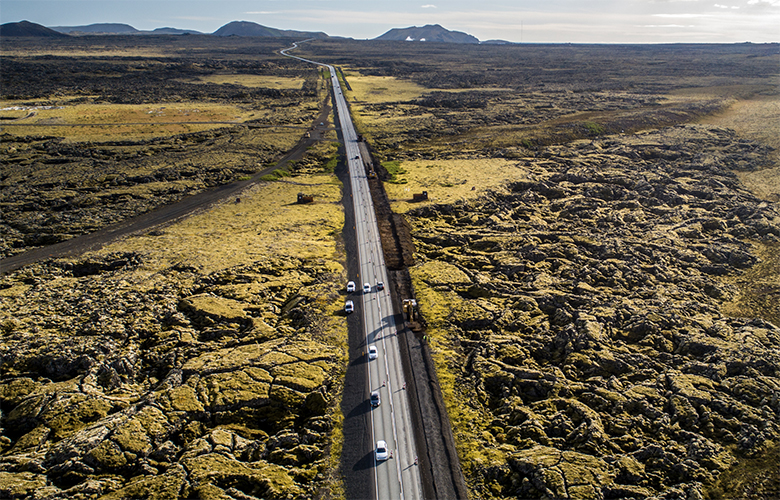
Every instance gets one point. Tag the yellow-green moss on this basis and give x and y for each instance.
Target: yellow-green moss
(12, 392)
(270, 480)
(33, 439)
(66, 417)
(183, 398)
(288, 397)
(167, 486)
(233, 388)
(468, 422)
(20, 484)
(107, 455)
(133, 435)
(438, 273)
(215, 306)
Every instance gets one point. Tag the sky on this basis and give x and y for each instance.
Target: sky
(525, 21)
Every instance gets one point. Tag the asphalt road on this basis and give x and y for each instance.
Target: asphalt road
(397, 477)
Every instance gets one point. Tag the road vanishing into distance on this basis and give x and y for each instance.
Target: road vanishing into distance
(399, 476)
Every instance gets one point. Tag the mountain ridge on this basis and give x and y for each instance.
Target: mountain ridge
(26, 28)
(428, 33)
(112, 28)
(249, 28)
(120, 29)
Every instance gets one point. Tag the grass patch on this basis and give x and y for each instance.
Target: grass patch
(376, 89)
(394, 169)
(277, 174)
(594, 128)
(759, 287)
(449, 181)
(333, 162)
(268, 221)
(252, 81)
(103, 122)
(336, 484)
(740, 480)
(134, 122)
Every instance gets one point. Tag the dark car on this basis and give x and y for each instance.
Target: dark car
(375, 401)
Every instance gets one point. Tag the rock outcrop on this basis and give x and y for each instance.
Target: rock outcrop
(585, 308)
(199, 386)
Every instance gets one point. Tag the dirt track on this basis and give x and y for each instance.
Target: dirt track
(164, 215)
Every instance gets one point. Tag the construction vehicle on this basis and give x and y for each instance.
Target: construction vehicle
(420, 196)
(412, 316)
(410, 309)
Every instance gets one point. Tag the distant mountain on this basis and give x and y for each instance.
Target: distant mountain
(26, 28)
(247, 28)
(496, 42)
(120, 29)
(100, 28)
(428, 33)
(173, 31)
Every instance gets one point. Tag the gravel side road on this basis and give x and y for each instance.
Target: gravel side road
(166, 214)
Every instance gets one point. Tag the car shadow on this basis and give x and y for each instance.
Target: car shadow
(363, 358)
(366, 462)
(360, 409)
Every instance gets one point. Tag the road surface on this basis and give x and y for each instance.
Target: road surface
(398, 477)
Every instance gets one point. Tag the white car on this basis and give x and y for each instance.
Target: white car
(372, 354)
(381, 450)
(380, 285)
(349, 307)
(366, 288)
(350, 287)
(375, 401)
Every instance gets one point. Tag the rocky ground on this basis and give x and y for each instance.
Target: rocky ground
(604, 322)
(53, 190)
(198, 359)
(580, 310)
(141, 372)
(73, 179)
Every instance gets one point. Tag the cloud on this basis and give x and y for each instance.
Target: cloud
(684, 16)
(196, 18)
(428, 6)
